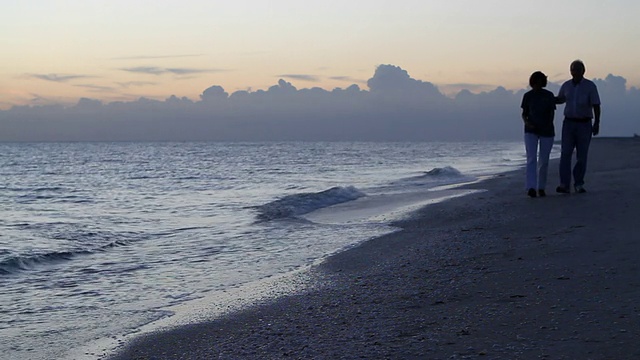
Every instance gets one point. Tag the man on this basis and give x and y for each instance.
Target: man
(582, 105)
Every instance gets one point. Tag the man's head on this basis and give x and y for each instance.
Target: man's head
(577, 70)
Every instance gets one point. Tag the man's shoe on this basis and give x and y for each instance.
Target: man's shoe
(562, 190)
(580, 189)
(532, 192)
(542, 193)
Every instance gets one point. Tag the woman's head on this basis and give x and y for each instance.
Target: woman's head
(538, 79)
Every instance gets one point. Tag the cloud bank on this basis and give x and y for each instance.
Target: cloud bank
(396, 107)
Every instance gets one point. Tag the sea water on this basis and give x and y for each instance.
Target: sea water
(98, 239)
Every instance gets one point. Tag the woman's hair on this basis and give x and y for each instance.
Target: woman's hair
(538, 77)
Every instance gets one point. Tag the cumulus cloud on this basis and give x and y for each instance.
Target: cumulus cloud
(88, 104)
(393, 80)
(213, 93)
(457, 87)
(394, 107)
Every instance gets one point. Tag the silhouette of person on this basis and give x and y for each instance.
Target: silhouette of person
(582, 105)
(538, 110)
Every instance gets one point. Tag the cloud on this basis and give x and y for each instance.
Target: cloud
(151, 70)
(391, 80)
(396, 107)
(212, 93)
(154, 70)
(57, 77)
(451, 89)
(186, 71)
(135, 83)
(348, 79)
(152, 57)
(39, 100)
(96, 88)
(301, 77)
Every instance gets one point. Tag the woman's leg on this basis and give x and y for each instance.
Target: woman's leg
(531, 146)
(546, 144)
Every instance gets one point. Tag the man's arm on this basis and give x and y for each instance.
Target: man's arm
(561, 98)
(596, 119)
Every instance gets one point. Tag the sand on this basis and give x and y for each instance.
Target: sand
(493, 275)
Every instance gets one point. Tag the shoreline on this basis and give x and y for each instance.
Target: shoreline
(492, 274)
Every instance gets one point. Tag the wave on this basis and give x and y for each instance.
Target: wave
(35, 189)
(449, 171)
(16, 263)
(433, 177)
(298, 204)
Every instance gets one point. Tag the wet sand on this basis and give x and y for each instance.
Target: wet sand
(493, 275)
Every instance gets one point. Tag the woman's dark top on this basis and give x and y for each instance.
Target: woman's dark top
(539, 107)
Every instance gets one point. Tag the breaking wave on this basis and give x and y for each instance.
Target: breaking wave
(298, 204)
(444, 171)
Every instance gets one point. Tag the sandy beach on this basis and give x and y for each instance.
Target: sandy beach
(492, 275)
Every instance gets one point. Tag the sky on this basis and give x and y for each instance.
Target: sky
(58, 51)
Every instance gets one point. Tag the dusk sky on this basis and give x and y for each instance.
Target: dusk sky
(57, 51)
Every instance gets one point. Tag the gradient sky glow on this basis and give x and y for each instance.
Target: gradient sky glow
(56, 51)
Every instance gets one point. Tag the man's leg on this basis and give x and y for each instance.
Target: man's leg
(566, 152)
(583, 139)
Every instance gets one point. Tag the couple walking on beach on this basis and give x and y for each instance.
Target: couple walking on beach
(581, 121)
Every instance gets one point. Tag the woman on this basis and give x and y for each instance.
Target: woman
(538, 110)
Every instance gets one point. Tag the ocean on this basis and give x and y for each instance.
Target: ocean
(99, 239)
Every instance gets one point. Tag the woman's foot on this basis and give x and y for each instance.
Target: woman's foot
(532, 192)
(542, 193)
